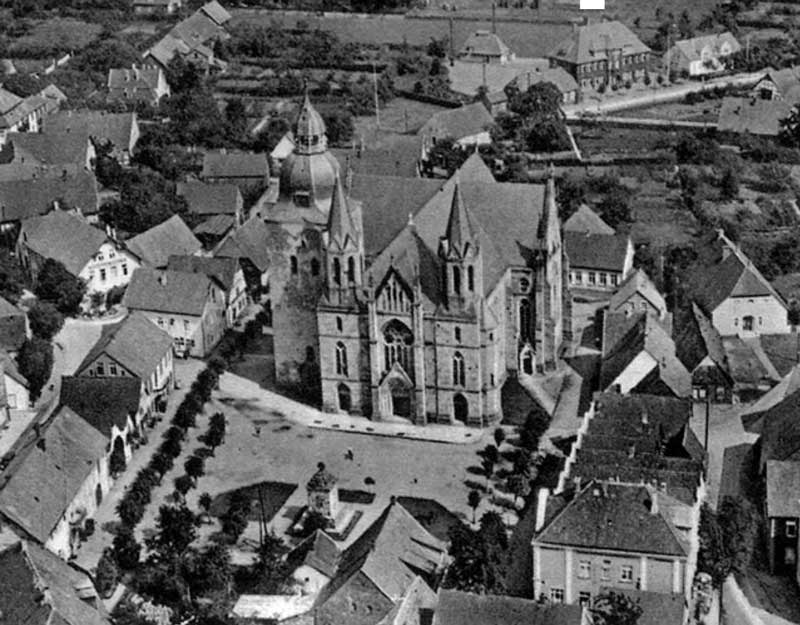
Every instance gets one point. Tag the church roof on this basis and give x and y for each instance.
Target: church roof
(309, 123)
(340, 222)
(460, 229)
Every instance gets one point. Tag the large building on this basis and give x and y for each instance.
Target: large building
(420, 302)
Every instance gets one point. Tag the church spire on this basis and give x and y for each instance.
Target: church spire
(309, 132)
(549, 220)
(340, 221)
(460, 230)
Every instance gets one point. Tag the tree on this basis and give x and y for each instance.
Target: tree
(170, 447)
(729, 184)
(35, 362)
(57, 285)
(790, 128)
(519, 485)
(107, 573)
(204, 501)
(536, 424)
(522, 462)
(183, 484)
(125, 549)
(727, 538)
(339, 125)
(129, 510)
(12, 277)
(479, 558)
(615, 208)
(490, 452)
(213, 571)
(499, 436)
(146, 198)
(116, 463)
(474, 500)
(194, 467)
(446, 154)
(176, 529)
(236, 117)
(615, 608)
(161, 463)
(214, 438)
(535, 120)
(45, 320)
(234, 521)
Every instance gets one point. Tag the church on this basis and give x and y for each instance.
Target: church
(413, 297)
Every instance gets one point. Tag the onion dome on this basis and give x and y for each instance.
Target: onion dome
(309, 130)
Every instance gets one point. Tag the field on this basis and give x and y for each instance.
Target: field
(706, 111)
(54, 36)
(399, 115)
(606, 139)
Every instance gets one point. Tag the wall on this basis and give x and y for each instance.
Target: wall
(635, 372)
(236, 298)
(770, 316)
(116, 265)
(17, 395)
(593, 279)
(357, 378)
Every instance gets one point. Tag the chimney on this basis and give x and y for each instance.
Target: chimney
(541, 507)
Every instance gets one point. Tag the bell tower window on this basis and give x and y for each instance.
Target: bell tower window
(351, 270)
(471, 279)
(337, 271)
(457, 280)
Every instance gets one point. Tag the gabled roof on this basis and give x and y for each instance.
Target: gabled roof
(171, 237)
(752, 416)
(250, 241)
(136, 343)
(733, 276)
(693, 48)
(459, 608)
(9, 368)
(8, 101)
(637, 282)
(601, 252)
(215, 226)
(134, 78)
(43, 478)
(117, 128)
(30, 196)
(658, 608)
(752, 115)
(780, 431)
(64, 237)
(614, 517)
(220, 269)
(474, 169)
(589, 43)
(51, 148)
(787, 80)
(178, 292)
(696, 338)
(458, 123)
(783, 489)
(39, 588)
(12, 326)
(216, 12)
(211, 199)
(235, 165)
(101, 402)
(484, 43)
(586, 221)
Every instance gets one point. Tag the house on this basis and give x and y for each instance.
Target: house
(156, 7)
(753, 116)
(698, 56)
(753, 416)
(153, 247)
(368, 579)
(38, 588)
(190, 306)
(247, 170)
(213, 230)
(86, 252)
(467, 125)
(750, 368)
(137, 348)
(70, 151)
(612, 535)
(483, 46)
(15, 386)
(602, 54)
(207, 200)
(780, 432)
(657, 608)
(250, 245)
(25, 114)
(121, 130)
(781, 84)
(638, 293)
(110, 405)
(783, 515)
(226, 272)
(454, 607)
(41, 189)
(738, 299)
(642, 358)
(69, 452)
(14, 327)
(599, 258)
(699, 347)
(137, 84)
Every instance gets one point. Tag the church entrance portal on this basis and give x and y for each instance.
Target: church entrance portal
(460, 408)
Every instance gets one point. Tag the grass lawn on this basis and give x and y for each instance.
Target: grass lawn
(399, 116)
(53, 36)
(705, 111)
(432, 515)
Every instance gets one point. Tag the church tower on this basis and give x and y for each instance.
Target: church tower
(459, 250)
(344, 246)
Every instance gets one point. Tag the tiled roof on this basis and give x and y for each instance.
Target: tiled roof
(615, 517)
(787, 80)
(658, 608)
(136, 343)
(780, 431)
(215, 226)
(752, 416)
(637, 282)
(586, 221)
(118, 128)
(459, 608)
(235, 165)
(597, 251)
(216, 12)
(782, 351)
(558, 76)
(176, 292)
(51, 148)
(250, 241)
(133, 78)
(693, 48)
(399, 158)
(8, 101)
(696, 338)
(39, 588)
(589, 43)
(12, 326)
(44, 477)
(458, 123)
(484, 43)
(783, 489)
(752, 115)
(195, 30)
(467, 76)
(171, 237)
(211, 199)
(322, 553)
(222, 270)
(748, 366)
(25, 198)
(64, 237)
(101, 402)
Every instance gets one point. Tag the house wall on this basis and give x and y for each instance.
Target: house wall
(783, 533)
(769, 316)
(236, 298)
(560, 569)
(637, 302)
(635, 372)
(359, 599)
(623, 67)
(17, 395)
(593, 279)
(190, 333)
(108, 268)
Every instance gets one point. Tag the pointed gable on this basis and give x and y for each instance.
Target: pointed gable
(341, 228)
(460, 234)
(586, 221)
(475, 169)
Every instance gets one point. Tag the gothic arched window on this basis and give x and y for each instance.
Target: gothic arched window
(471, 278)
(314, 267)
(351, 270)
(397, 340)
(337, 271)
(341, 359)
(525, 319)
(345, 400)
(293, 265)
(457, 280)
(458, 369)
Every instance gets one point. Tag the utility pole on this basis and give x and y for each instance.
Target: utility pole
(708, 415)
(377, 109)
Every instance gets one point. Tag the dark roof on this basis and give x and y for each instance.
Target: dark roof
(615, 517)
(752, 415)
(458, 123)
(484, 43)
(44, 478)
(637, 282)
(460, 608)
(398, 158)
(783, 489)
(156, 245)
(27, 197)
(321, 553)
(211, 199)
(221, 270)
(589, 43)
(586, 221)
(780, 431)
(658, 608)
(63, 236)
(39, 588)
(102, 402)
(641, 414)
(597, 251)
(12, 326)
(215, 226)
(117, 128)
(178, 292)
(136, 343)
(782, 350)
(9, 367)
(235, 165)
(134, 79)
(251, 241)
(696, 338)
(51, 148)
(752, 115)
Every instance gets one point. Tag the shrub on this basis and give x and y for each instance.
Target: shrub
(114, 295)
(126, 550)
(234, 521)
(194, 467)
(129, 510)
(183, 484)
(45, 320)
(107, 574)
(171, 448)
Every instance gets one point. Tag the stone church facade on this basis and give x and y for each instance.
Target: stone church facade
(428, 321)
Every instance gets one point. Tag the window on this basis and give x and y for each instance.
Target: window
(293, 265)
(111, 255)
(791, 529)
(337, 271)
(458, 369)
(113, 369)
(592, 278)
(747, 323)
(584, 569)
(584, 598)
(99, 257)
(345, 400)
(101, 370)
(114, 271)
(171, 321)
(605, 570)
(491, 336)
(102, 275)
(524, 319)
(314, 267)
(397, 345)
(185, 326)
(457, 334)
(124, 269)
(626, 573)
(339, 324)
(614, 279)
(470, 278)
(557, 595)
(603, 278)
(456, 280)
(341, 359)
(351, 270)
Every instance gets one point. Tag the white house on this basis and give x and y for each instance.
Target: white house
(702, 55)
(468, 125)
(15, 386)
(738, 299)
(86, 252)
